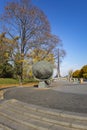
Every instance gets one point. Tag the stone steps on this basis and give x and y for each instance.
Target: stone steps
(17, 115)
(3, 127)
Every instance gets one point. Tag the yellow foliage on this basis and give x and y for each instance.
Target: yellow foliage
(34, 56)
(39, 54)
(30, 73)
(6, 55)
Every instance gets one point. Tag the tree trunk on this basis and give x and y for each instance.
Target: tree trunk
(58, 69)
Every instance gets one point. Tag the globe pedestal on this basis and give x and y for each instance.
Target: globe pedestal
(42, 84)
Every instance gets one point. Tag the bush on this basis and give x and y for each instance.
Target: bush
(6, 70)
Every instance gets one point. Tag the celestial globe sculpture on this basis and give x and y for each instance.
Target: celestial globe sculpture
(42, 70)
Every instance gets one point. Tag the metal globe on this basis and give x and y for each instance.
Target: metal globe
(42, 70)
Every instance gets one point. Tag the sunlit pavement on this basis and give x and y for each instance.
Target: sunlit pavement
(70, 87)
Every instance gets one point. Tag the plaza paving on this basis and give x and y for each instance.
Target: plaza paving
(61, 95)
(71, 87)
(16, 115)
(29, 108)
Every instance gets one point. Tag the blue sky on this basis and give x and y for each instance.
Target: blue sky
(68, 20)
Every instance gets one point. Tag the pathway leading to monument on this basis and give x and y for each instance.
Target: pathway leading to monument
(70, 87)
(51, 97)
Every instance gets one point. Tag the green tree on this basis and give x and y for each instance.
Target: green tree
(24, 19)
(83, 72)
(76, 74)
(7, 47)
(6, 71)
(85, 75)
(1, 70)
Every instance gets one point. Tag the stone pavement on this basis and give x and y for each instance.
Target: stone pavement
(63, 106)
(16, 115)
(70, 87)
(51, 97)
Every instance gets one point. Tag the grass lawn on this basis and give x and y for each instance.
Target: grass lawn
(8, 82)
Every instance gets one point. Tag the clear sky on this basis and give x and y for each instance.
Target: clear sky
(68, 20)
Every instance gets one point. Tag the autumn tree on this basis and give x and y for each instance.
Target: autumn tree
(39, 54)
(35, 56)
(83, 71)
(76, 74)
(21, 18)
(6, 48)
(6, 51)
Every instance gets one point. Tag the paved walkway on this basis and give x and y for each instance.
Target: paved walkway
(70, 87)
(62, 95)
(16, 115)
